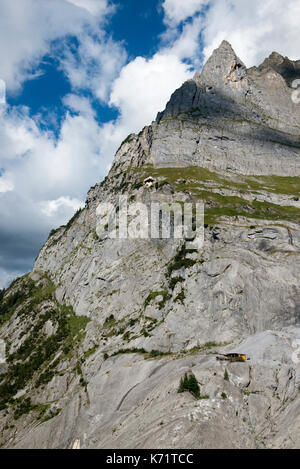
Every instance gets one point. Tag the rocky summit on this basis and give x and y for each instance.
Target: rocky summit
(114, 342)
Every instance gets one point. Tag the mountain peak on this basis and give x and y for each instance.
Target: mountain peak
(225, 45)
(225, 77)
(275, 55)
(222, 61)
(222, 70)
(288, 69)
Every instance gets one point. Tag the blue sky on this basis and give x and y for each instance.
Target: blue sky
(139, 24)
(80, 75)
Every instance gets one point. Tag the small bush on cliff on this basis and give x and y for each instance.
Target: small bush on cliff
(180, 260)
(190, 384)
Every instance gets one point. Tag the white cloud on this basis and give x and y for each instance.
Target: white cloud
(6, 185)
(254, 29)
(60, 206)
(144, 86)
(7, 277)
(78, 104)
(28, 28)
(178, 10)
(2, 92)
(50, 178)
(95, 66)
(94, 7)
(186, 44)
(53, 168)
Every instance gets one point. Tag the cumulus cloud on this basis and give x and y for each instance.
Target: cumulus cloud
(7, 277)
(144, 86)
(65, 166)
(6, 184)
(185, 45)
(253, 28)
(95, 7)
(2, 92)
(95, 65)
(78, 104)
(60, 206)
(177, 11)
(29, 27)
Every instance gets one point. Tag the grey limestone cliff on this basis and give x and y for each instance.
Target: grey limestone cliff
(100, 333)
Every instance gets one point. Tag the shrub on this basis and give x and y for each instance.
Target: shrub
(190, 384)
(132, 322)
(110, 318)
(180, 260)
(141, 351)
(154, 353)
(145, 332)
(2, 292)
(180, 297)
(174, 280)
(126, 336)
(24, 406)
(165, 297)
(224, 395)
(52, 232)
(9, 305)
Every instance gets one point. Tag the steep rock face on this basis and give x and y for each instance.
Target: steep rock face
(287, 68)
(104, 370)
(227, 118)
(230, 118)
